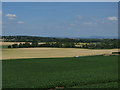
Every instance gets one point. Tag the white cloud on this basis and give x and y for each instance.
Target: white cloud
(20, 22)
(113, 18)
(79, 16)
(10, 15)
(11, 18)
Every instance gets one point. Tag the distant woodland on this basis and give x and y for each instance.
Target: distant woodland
(33, 41)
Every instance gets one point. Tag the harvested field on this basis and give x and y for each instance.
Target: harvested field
(10, 43)
(16, 53)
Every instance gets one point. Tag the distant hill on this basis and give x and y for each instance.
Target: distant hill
(103, 37)
(46, 39)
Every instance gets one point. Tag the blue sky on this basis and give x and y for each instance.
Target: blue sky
(52, 19)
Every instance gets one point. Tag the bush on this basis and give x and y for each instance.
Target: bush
(15, 46)
(9, 46)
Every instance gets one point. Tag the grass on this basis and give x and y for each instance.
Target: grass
(82, 72)
(4, 46)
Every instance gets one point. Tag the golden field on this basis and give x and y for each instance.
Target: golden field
(16, 53)
(10, 43)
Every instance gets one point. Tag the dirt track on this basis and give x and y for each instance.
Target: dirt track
(51, 52)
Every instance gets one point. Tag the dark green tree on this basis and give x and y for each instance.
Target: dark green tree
(15, 45)
(9, 46)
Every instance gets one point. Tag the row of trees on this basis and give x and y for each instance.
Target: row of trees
(46, 39)
(61, 42)
(35, 44)
(98, 45)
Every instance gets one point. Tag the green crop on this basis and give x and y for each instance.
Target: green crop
(82, 72)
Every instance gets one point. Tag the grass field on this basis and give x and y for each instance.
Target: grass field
(82, 72)
(16, 53)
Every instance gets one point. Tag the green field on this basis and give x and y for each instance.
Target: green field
(4, 46)
(82, 72)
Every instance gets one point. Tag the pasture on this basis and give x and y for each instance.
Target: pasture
(70, 72)
(16, 53)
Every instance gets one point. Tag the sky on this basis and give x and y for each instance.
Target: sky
(60, 0)
(60, 19)
(0, 18)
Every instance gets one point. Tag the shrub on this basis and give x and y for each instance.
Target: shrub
(9, 46)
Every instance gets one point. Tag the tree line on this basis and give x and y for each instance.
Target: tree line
(35, 44)
(102, 45)
(60, 42)
(45, 39)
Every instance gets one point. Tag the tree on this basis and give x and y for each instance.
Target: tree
(34, 44)
(26, 45)
(15, 46)
(21, 45)
(68, 45)
(91, 46)
(9, 46)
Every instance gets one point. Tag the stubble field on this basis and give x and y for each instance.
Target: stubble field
(16, 53)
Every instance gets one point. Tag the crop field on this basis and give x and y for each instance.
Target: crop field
(10, 43)
(6, 44)
(70, 72)
(16, 53)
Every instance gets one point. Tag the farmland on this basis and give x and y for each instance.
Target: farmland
(16, 53)
(58, 67)
(70, 72)
(10, 43)
(6, 44)
(33, 41)
(59, 45)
